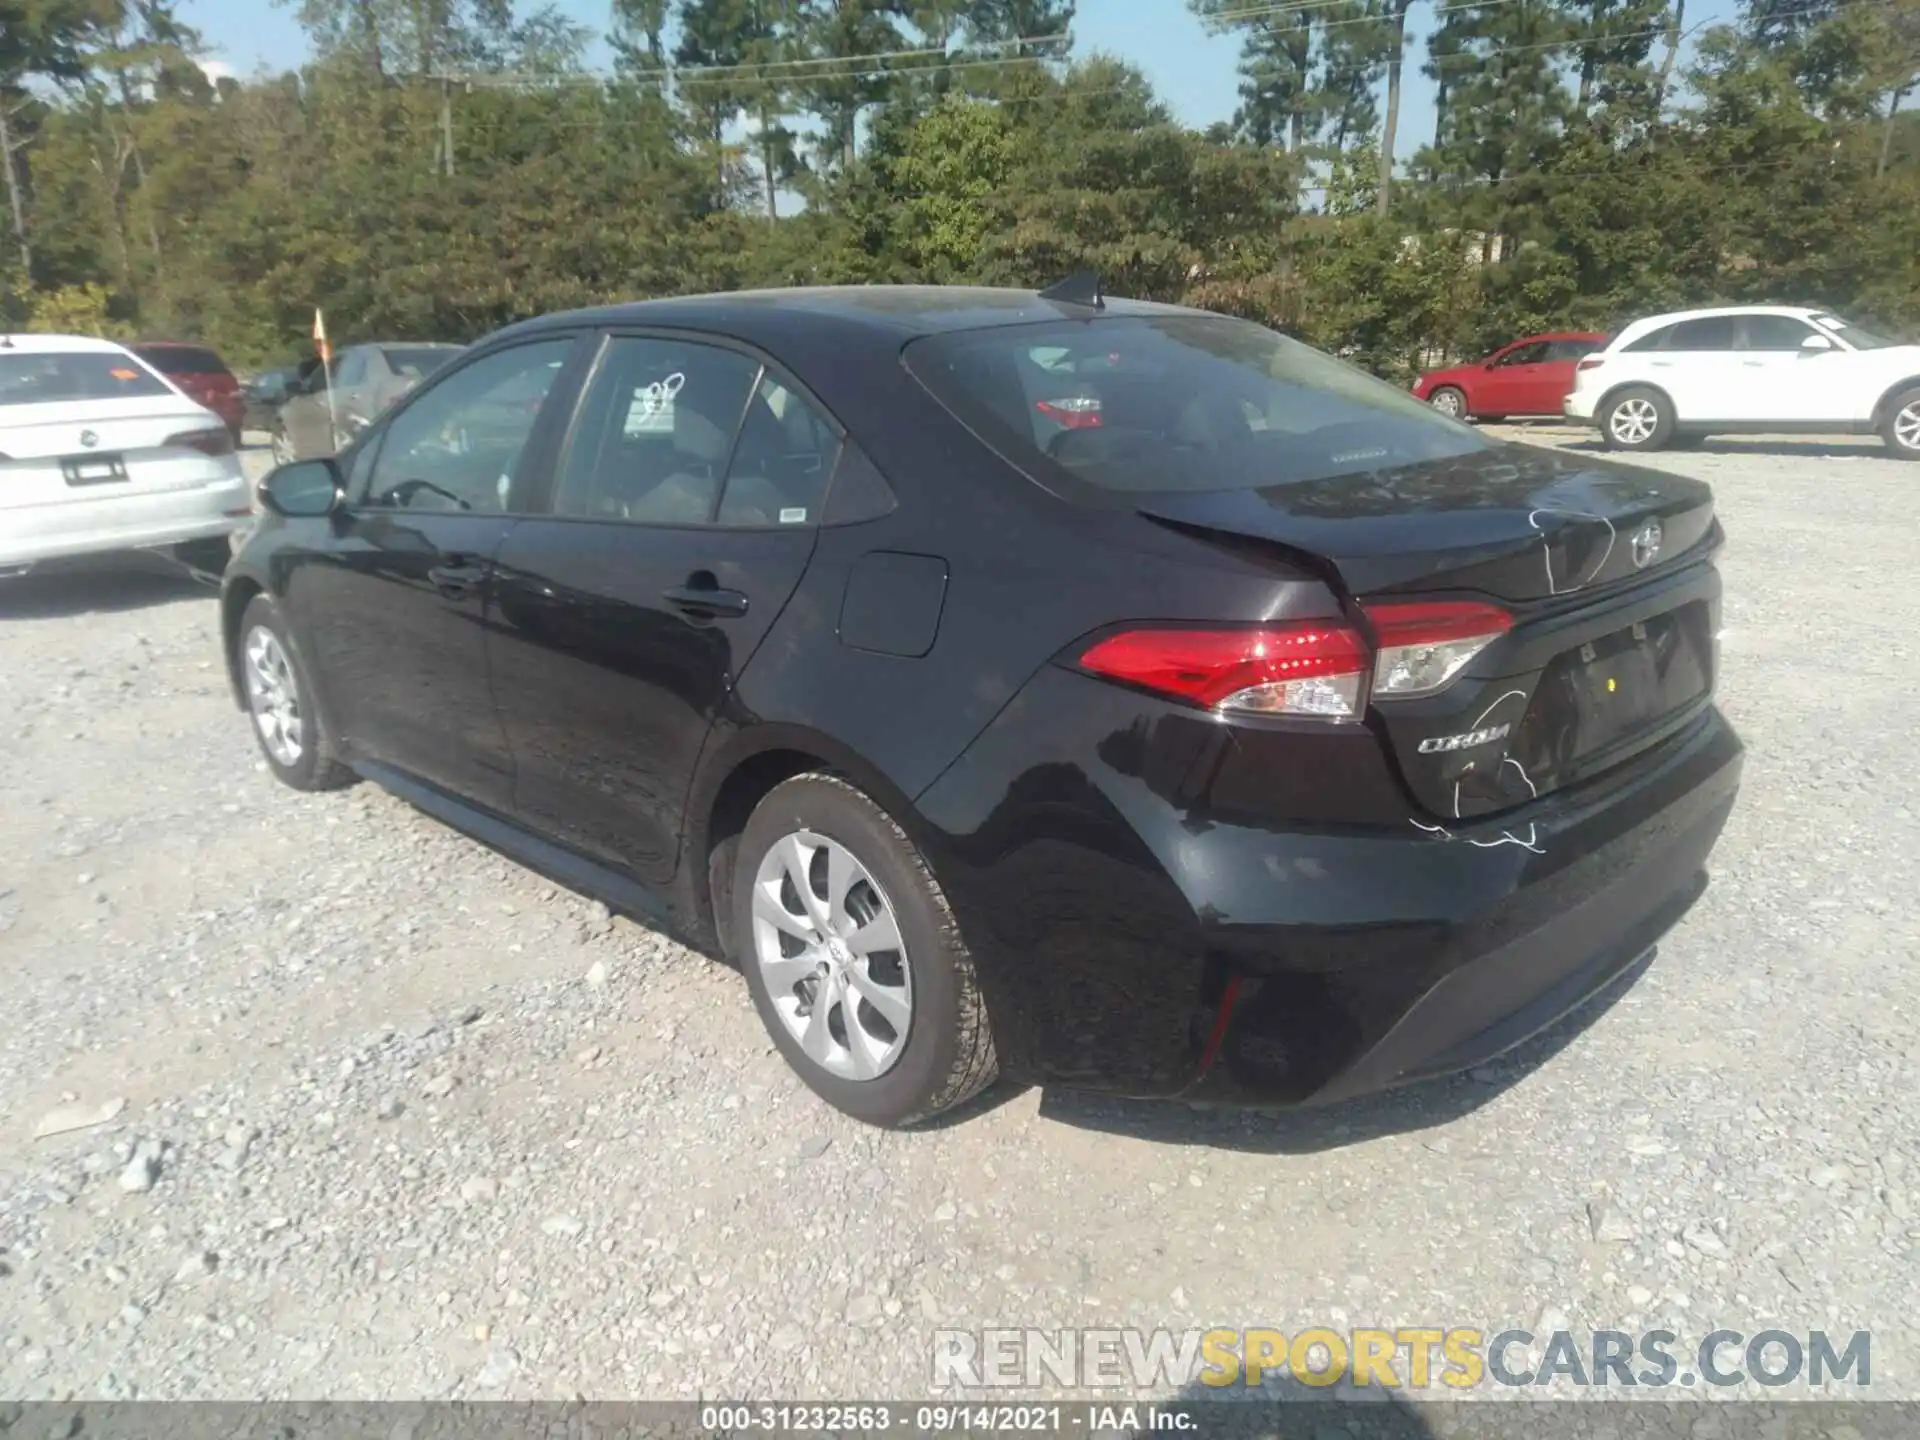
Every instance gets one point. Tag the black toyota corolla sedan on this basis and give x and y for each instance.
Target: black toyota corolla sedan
(1089, 692)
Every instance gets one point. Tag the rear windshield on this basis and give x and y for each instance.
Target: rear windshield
(30, 379)
(182, 359)
(1175, 402)
(416, 364)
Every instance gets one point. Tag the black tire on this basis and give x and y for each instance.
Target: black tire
(1900, 426)
(948, 1053)
(1449, 400)
(317, 765)
(1637, 418)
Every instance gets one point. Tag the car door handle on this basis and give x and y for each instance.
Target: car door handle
(1663, 364)
(456, 576)
(1753, 364)
(706, 600)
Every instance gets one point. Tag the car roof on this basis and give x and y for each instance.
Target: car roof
(36, 344)
(898, 312)
(172, 345)
(1654, 322)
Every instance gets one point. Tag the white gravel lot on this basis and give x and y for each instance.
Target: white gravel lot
(403, 1120)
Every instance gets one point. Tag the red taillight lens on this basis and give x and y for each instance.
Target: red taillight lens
(1424, 645)
(1074, 413)
(1314, 669)
(1591, 362)
(207, 442)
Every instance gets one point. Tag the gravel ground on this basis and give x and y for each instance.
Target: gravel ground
(399, 1119)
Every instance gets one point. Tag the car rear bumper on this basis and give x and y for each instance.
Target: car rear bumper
(1578, 406)
(1132, 937)
(32, 533)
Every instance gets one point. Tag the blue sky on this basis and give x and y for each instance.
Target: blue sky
(1193, 71)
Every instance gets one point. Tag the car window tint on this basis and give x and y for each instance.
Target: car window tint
(1714, 333)
(1772, 332)
(1525, 355)
(1652, 340)
(1175, 402)
(27, 378)
(456, 447)
(781, 463)
(182, 359)
(654, 430)
(1571, 349)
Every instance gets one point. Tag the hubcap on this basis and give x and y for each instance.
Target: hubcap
(828, 945)
(1906, 426)
(273, 695)
(1447, 403)
(1633, 421)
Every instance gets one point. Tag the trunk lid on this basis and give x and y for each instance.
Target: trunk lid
(1514, 522)
(81, 451)
(1612, 642)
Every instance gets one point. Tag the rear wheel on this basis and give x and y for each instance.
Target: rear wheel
(1901, 428)
(1637, 419)
(853, 957)
(293, 735)
(1449, 401)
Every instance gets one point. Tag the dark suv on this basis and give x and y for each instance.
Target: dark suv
(1078, 690)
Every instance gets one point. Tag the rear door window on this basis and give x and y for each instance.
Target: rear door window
(1174, 402)
(1531, 354)
(1714, 333)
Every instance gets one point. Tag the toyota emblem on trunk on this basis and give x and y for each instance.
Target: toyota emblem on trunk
(1646, 544)
(89, 439)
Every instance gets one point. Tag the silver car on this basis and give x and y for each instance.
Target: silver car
(366, 380)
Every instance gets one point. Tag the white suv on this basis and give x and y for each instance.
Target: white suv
(1772, 368)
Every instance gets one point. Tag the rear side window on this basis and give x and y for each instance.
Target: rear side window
(1175, 403)
(1652, 340)
(183, 360)
(30, 379)
(1572, 349)
(653, 433)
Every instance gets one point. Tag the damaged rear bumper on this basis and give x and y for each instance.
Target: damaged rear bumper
(1562, 905)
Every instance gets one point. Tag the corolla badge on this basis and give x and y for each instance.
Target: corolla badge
(89, 439)
(1646, 544)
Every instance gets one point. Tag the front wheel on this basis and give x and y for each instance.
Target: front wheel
(853, 956)
(1449, 402)
(1901, 428)
(1637, 419)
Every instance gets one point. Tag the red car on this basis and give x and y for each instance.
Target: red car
(1528, 377)
(202, 374)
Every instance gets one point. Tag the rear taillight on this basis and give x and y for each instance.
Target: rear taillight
(207, 442)
(1424, 645)
(1591, 362)
(1316, 669)
(1073, 413)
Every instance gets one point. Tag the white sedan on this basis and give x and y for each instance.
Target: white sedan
(1772, 368)
(99, 452)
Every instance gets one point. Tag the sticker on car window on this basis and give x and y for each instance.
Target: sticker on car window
(794, 515)
(651, 410)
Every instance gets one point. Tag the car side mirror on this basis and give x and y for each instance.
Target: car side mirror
(306, 489)
(1816, 345)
